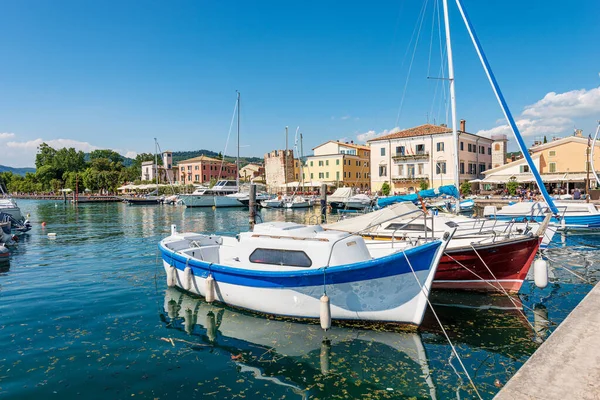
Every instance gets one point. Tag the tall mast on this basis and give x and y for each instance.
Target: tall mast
(452, 103)
(285, 160)
(504, 106)
(237, 159)
(156, 163)
(301, 162)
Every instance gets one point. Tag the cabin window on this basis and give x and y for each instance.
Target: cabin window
(408, 227)
(292, 258)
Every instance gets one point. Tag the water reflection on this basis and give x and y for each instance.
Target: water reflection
(341, 362)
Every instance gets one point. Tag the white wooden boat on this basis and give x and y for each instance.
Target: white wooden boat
(272, 203)
(297, 202)
(284, 268)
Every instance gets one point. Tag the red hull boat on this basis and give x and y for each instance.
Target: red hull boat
(508, 261)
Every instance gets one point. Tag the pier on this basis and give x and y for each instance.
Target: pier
(567, 365)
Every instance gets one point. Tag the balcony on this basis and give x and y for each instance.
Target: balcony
(418, 155)
(410, 178)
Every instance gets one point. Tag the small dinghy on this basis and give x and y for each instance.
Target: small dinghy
(299, 271)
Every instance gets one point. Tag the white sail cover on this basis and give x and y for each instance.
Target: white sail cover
(366, 221)
(340, 194)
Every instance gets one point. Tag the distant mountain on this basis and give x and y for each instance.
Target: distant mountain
(184, 155)
(16, 171)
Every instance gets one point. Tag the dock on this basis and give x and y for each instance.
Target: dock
(567, 365)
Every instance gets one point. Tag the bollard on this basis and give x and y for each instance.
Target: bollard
(252, 206)
(323, 203)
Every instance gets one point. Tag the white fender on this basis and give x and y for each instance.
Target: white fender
(325, 315)
(210, 289)
(540, 273)
(171, 276)
(187, 278)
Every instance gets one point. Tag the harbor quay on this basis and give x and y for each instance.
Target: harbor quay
(567, 364)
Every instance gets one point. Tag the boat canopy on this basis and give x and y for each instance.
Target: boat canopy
(340, 194)
(364, 222)
(448, 190)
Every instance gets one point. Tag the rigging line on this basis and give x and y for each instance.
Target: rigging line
(422, 18)
(441, 326)
(501, 287)
(227, 141)
(431, 38)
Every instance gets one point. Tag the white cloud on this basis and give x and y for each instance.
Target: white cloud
(363, 137)
(130, 154)
(554, 114)
(6, 135)
(345, 117)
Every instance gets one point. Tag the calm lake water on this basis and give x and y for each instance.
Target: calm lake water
(88, 315)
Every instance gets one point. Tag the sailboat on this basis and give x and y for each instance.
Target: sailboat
(566, 215)
(225, 193)
(148, 199)
(298, 201)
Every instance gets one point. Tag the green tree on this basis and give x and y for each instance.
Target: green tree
(423, 185)
(465, 188)
(68, 160)
(512, 186)
(45, 155)
(545, 140)
(385, 189)
(220, 156)
(111, 155)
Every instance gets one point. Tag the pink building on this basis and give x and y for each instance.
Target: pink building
(203, 169)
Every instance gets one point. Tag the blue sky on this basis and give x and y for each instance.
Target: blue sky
(116, 74)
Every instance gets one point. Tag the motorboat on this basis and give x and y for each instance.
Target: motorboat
(272, 347)
(244, 197)
(272, 203)
(571, 215)
(9, 206)
(297, 202)
(285, 269)
(143, 200)
(482, 255)
(217, 196)
(344, 198)
(18, 226)
(359, 201)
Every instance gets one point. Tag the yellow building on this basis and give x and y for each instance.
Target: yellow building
(561, 163)
(339, 164)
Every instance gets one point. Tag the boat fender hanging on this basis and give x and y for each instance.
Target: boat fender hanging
(325, 315)
(210, 289)
(172, 276)
(187, 278)
(540, 273)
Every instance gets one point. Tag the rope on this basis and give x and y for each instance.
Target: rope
(479, 277)
(442, 326)
(500, 286)
(420, 24)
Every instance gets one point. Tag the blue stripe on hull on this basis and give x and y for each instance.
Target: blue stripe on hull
(420, 258)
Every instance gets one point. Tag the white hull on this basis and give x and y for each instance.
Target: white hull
(9, 207)
(190, 200)
(360, 300)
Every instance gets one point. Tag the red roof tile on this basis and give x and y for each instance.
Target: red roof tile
(421, 130)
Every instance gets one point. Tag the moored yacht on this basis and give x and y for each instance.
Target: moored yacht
(222, 194)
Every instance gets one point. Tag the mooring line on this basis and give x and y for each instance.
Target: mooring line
(442, 326)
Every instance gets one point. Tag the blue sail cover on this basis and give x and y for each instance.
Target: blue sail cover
(448, 190)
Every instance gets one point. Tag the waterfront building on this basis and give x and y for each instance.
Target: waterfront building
(279, 169)
(561, 162)
(166, 172)
(425, 153)
(202, 170)
(339, 164)
(252, 173)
